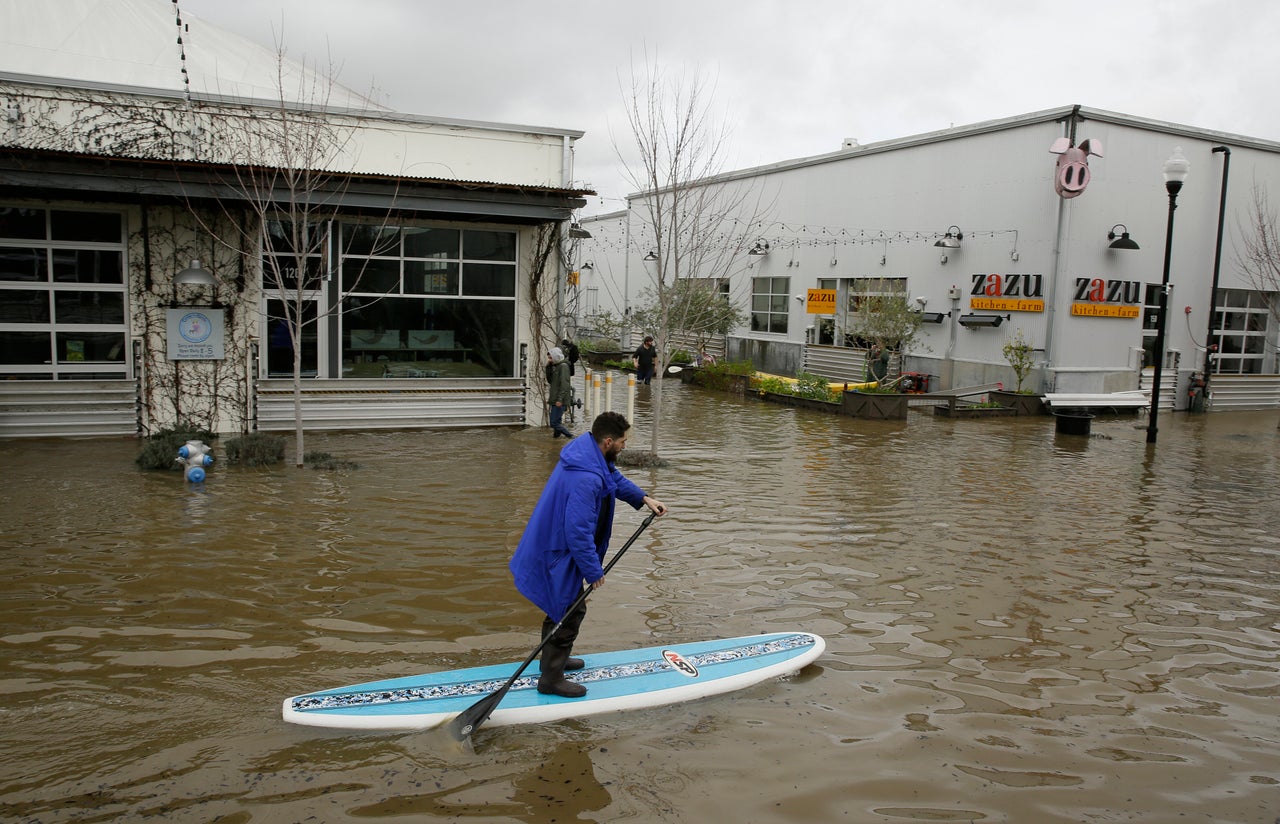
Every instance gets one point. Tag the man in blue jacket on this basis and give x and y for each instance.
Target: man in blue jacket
(564, 543)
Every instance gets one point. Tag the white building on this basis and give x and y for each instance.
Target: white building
(1024, 259)
(134, 141)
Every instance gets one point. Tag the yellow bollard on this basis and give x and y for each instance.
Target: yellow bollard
(608, 391)
(631, 397)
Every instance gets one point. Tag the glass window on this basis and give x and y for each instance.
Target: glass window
(22, 223)
(428, 337)
(479, 245)
(24, 306)
(431, 243)
(81, 347)
(382, 241)
(489, 279)
(24, 265)
(374, 275)
(280, 345)
(87, 266)
(428, 277)
(770, 309)
(1242, 328)
(25, 347)
(96, 227)
(48, 257)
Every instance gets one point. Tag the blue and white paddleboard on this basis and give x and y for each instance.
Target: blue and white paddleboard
(624, 680)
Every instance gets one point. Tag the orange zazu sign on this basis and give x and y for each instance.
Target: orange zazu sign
(821, 302)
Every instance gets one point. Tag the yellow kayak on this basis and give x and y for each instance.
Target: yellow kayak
(836, 386)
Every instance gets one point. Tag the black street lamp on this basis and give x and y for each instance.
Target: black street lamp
(1175, 172)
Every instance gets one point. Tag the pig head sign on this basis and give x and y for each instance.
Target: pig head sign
(1072, 172)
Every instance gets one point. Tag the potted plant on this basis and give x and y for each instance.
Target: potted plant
(1021, 357)
(885, 318)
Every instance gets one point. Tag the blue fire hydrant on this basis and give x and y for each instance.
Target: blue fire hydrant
(195, 455)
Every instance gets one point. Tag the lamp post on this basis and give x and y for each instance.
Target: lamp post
(1175, 172)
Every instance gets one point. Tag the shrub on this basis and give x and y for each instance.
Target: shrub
(256, 449)
(720, 374)
(323, 460)
(161, 449)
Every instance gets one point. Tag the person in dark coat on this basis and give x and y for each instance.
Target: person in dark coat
(559, 393)
(643, 360)
(564, 543)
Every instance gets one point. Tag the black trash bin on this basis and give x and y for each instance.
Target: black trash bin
(1073, 423)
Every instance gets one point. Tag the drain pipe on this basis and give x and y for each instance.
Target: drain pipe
(1217, 266)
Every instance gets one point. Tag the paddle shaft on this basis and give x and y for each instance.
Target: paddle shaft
(470, 719)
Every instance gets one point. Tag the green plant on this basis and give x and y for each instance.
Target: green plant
(323, 460)
(814, 387)
(681, 356)
(620, 365)
(161, 448)
(721, 374)
(256, 449)
(1020, 356)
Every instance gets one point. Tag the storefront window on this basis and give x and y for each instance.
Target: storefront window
(770, 304)
(62, 295)
(1242, 328)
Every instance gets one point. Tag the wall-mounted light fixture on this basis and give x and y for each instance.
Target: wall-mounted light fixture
(195, 275)
(933, 317)
(576, 230)
(974, 319)
(800, 298)
(951, 240)
(761, 247)
(588, 265)
(1121, 240)
(651, 257)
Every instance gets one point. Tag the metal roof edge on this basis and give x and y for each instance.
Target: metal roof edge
(378, 113)
(987, 126)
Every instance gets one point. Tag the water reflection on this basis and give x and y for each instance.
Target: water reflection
(1021, 626)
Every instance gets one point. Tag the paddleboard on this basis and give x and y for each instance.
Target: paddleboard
(625, 680)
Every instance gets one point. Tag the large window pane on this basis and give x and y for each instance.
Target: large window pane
(431, 243)
(24, 265)
(427, 277)
(428, 337)
(99, 227)
(22, 223)
(79, 347)
(376, 275)
(24, 306)
(25, 347)
(480, 245)
(87, 266)
(491, 280)
(382, 241)
(88, 307)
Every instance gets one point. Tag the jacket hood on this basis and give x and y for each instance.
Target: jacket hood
(556, 355)
(583, 454)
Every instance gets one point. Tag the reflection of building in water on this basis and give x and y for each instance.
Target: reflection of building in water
(404, 272)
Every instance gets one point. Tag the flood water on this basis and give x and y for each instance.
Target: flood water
(1022, 626)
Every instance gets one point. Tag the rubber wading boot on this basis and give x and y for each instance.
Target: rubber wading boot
(552, 680)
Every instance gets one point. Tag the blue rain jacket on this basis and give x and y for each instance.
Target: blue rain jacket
(568, 533)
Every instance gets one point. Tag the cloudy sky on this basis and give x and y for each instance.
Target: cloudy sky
(790, 79)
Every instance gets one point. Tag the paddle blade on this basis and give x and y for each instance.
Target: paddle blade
(470, 719)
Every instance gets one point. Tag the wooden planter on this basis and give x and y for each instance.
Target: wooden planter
(801, 403)
(965, 411)
(1021, 403)
(874, 406)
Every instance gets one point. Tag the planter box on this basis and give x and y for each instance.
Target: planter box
(801, 403)
(1021, 403)
(874, 406)
(963, 411)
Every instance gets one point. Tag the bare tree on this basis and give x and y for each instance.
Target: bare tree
(1258, 250)
(697, 222)
(289, 169)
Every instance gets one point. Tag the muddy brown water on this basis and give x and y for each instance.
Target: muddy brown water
(1022, 626)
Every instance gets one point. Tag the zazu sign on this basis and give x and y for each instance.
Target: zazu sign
(1099, 298)
(1007, 293)
(821, 302)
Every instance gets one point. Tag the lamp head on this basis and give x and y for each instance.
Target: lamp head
(1176, 169)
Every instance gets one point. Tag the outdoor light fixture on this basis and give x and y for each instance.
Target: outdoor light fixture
(761, 247)
(194, 275)
(651, 257)
(1120, 241)
(576, 230)
(1175, 174)
(951, 240)
(974, 319)
(933, 317)
(588, 265)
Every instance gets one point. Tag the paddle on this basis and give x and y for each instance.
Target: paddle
(470, 719)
